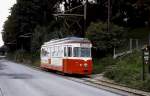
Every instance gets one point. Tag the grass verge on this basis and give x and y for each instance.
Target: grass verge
(21, 56)
(100, 65)
(128, 71)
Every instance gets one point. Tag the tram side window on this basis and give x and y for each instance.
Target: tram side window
(53, 52)
(69, 51)
(76, 52)
(50, 52)
(44, 52)
(65, 52)
(59, 51)
(56, 52)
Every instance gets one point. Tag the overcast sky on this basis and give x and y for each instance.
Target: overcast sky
(5, 5)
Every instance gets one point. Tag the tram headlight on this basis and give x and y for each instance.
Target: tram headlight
(80, 65)
(85, 65)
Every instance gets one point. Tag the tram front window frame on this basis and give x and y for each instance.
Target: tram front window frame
(82, 52)
(85, 52)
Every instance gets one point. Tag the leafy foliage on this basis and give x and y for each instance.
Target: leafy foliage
(35, 17)
(43, 34)
(101, 39)
(127, 71)
(101, 64)
(25, 16)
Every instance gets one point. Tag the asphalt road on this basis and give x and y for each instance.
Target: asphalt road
(20, 80)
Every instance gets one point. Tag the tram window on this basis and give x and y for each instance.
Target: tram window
(44, 52)
(76, 51)
(57, 51)
(69, 51)
(53, 53)
(50, 52)
(85, 52)
(65, 51)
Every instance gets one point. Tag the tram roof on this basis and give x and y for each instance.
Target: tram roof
(68, 39)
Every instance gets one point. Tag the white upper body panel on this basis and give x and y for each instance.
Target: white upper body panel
(56, 48)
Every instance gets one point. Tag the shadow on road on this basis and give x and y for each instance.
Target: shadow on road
(2, 66)
(16, 76)
(65, 74)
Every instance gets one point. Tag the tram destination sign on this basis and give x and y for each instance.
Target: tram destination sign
(85, 45)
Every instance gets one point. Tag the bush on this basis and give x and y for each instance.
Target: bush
(101, 64)
(103, 40)
(21, 56)
(127, 71)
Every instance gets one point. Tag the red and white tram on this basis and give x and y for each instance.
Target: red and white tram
(70, 55)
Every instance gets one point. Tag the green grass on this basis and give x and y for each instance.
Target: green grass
(127, 71)
(99, 65)
(21, 56)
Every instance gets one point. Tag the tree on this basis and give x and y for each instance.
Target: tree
(43, 34)
(25, 16)
(131, 13)
(101, 39)
(36, 17)
(9, 33)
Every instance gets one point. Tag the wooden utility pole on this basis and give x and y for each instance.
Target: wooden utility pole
(149, 39)
(85, 17)
(108, 19)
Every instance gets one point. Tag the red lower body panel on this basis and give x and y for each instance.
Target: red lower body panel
(72, 66)
(51, 67)
(77, 66)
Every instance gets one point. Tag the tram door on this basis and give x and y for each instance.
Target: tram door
(56, 59)
(67, 57)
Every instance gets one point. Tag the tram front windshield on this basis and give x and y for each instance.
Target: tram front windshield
(82, 52)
